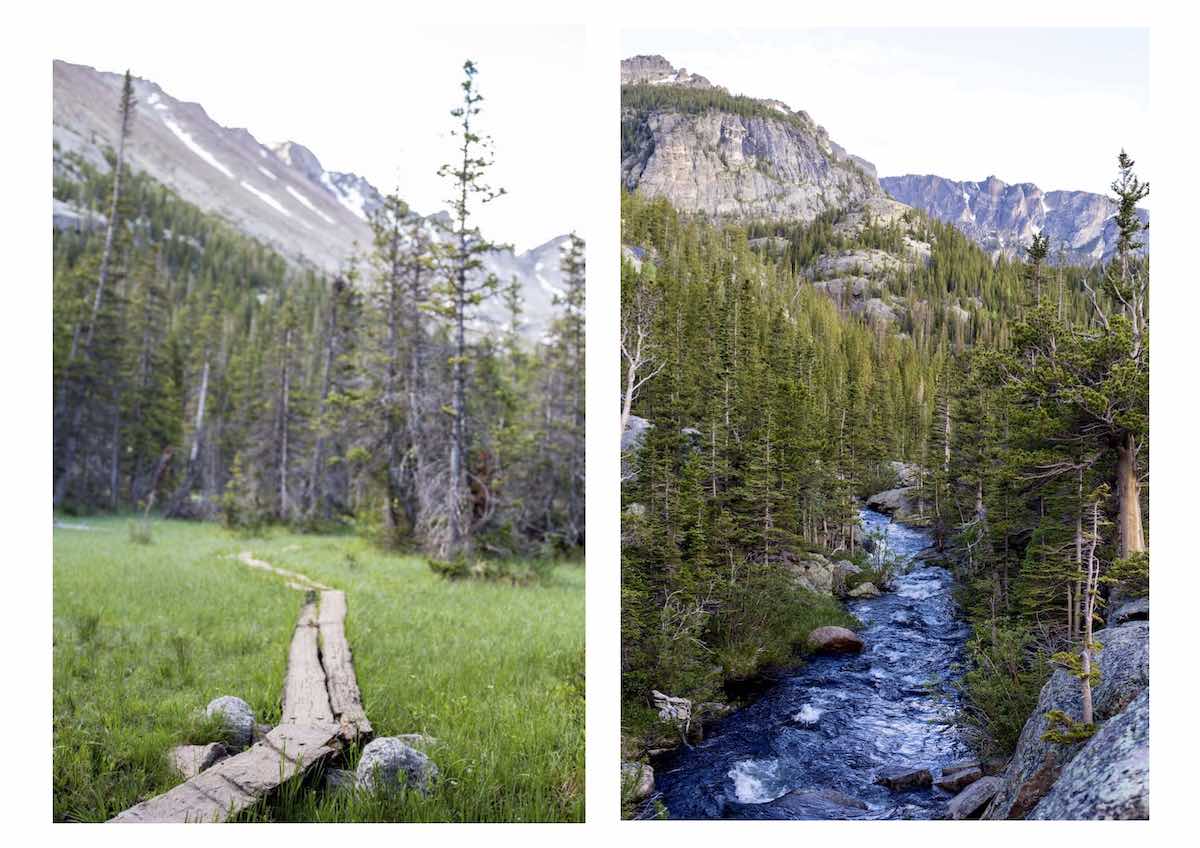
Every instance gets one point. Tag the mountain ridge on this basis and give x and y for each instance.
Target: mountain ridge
(1003, 217)
(277, 193)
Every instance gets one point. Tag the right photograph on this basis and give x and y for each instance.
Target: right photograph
(885, 424)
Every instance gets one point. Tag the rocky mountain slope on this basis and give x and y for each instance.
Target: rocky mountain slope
(279, 194)
(708, 151)
(1004, 218)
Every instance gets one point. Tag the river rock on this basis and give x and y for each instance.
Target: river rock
(1109, 778)
(803, 805)
(1136, 610)
(834, 640)
(902, 778)
(388, 763)
(190, 760)
(1124, 663)
(953, 781)
(814, 573)
(842, 569)
(971, 800)
(710, 710)
(865, 590)
(640, 777)
(902, 504)
(237, 717)
(671, 708)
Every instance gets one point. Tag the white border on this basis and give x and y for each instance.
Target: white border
(25, 335)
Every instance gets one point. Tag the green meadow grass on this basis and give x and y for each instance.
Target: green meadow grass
(146, 634)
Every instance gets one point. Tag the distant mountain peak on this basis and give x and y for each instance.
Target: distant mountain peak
(656, 70)
(1004, 217)
(280, 194)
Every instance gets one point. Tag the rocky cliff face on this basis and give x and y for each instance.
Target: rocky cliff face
(1105, 777)
(280, 194)
(655, 70)
(1004, 218)
(726, 156)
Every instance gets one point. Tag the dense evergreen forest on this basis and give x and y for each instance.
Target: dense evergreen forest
(199, 373)
(1020, 389)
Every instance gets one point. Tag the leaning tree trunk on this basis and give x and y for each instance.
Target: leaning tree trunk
(1132, 538)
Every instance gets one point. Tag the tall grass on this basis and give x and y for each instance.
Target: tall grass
(145, 636)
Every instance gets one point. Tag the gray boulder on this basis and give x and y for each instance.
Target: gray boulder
(971, 800)
(237, 717)
(337, 779)
(903, 503)
(814, 573)
(841, 570)
(865, 590)
(1136, 610)
(635, 433)
(388, 763)
(1124, 662)
(1110, 777)
(640, 777)
(189, 760)
(834, 640)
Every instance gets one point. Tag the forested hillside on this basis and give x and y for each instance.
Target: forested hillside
(198, 372)
(764, 395)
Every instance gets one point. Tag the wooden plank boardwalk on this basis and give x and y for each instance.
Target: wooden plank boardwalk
(322, 712)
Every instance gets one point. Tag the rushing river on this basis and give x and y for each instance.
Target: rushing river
(835, 722)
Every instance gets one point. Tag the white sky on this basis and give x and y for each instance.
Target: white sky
(373, 97)
(1047, 106)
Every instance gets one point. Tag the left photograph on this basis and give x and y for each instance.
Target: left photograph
(318, 423)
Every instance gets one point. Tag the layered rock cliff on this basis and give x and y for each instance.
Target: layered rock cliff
(730, 156)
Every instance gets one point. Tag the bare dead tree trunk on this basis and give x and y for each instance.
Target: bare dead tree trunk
(1132, 539)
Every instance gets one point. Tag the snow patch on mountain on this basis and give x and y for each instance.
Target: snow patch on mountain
(308, 203)
(194, 146)
(266, 198)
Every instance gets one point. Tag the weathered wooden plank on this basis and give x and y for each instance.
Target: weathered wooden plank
(235, 783)
(305, 697)
(344, 696)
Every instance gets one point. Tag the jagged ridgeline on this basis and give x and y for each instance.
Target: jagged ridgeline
(223, 380)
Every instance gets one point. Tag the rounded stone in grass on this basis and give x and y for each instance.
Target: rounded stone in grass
(388, 763)
(237, 717)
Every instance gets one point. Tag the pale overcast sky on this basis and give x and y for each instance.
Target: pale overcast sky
(1047, 106)
(375, 100)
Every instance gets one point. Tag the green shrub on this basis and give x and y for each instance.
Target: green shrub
(1000, 687)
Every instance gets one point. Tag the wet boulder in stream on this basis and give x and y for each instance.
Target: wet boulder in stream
(834, 640)
(902, 778)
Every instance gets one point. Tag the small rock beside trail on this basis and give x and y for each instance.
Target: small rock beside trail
(336, 779)
(971, 800)
(834, 640)
(641, 776)
(865, 590)
(190, 760)
(900, 778)
(388, 763)
(237, 717)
